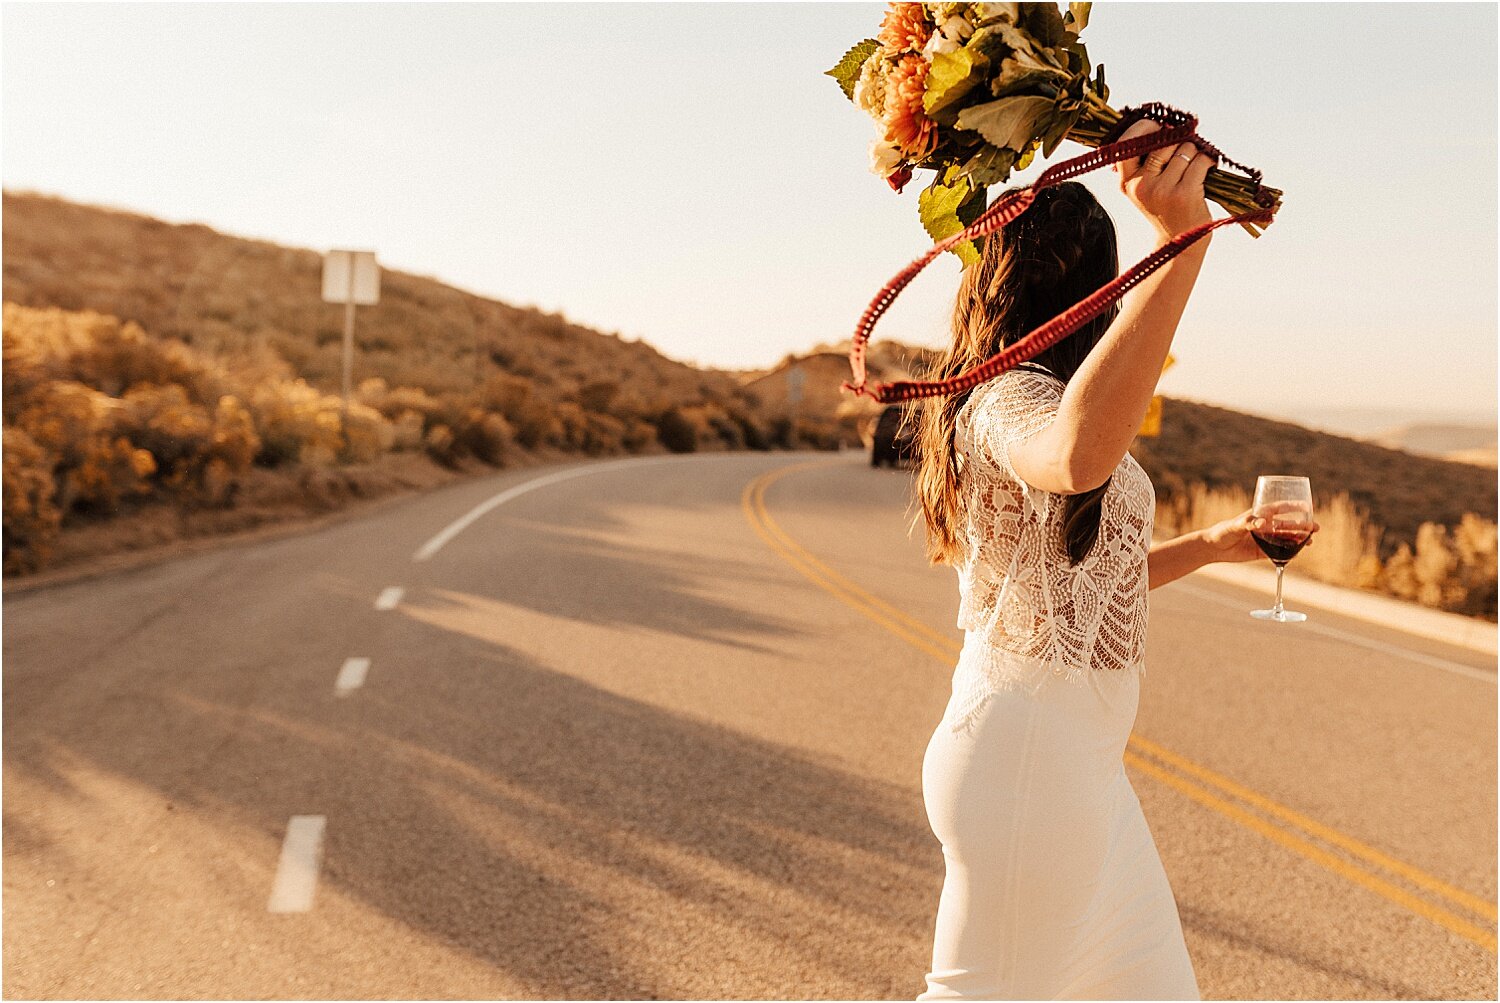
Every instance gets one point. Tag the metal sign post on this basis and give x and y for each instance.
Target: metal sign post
(350, 277)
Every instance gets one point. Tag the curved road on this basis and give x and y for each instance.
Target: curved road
(654, 728)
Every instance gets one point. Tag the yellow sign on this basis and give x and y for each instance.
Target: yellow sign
(1151, 423)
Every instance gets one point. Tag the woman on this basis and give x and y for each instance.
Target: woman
(1054, 888)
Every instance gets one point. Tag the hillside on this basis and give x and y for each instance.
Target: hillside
(1218, 447)
(165, 381)
(233, 297)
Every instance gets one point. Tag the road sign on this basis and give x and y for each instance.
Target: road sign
(350, 278)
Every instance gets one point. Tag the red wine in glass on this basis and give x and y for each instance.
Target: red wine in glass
(1280, 547)
(1286, 503)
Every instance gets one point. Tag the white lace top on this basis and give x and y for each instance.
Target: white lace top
(1028, 614)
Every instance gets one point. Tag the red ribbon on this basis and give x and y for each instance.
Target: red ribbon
(1177, 127)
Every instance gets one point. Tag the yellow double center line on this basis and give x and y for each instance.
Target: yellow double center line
(1298, 831)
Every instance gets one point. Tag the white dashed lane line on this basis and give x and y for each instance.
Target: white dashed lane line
(351, 676)
(297, 873)
(389, 597)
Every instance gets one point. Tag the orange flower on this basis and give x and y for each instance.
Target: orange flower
(906, 124)
(904, 28)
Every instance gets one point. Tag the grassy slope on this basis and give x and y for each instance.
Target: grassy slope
(234, 297)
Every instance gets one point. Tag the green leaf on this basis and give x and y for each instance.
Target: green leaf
(1012, 122)
(1019, 77)
(990, 166)
(953, 75)
(1057, 127)
(846, 70)
(1045, 23)
(1078, 17)
(946, 209)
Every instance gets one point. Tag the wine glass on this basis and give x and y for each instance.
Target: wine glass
(1285, 502)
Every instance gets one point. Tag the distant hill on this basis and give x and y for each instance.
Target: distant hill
(1486, 456)
(1400, 490)
(812, 383)
(1462, 443)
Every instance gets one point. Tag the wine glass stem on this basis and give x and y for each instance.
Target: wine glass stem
(1279, 569)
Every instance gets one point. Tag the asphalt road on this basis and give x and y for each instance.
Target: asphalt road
(654, 728)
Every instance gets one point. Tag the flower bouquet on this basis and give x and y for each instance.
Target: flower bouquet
(974, 91)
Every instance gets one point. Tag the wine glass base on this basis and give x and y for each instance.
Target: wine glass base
(1285, 616)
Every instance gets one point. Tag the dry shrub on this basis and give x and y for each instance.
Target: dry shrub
(96, 467)
(407, 431)
(753, 433)
(597, 395)
(486, 435)
(439, 444)
(676, 431)
(639, 435)
(98, 351)
(810, 433)
(536, 424)
(1450, 572)
(1454, 572)
(603, 434)
(296, 423)
(32, 517)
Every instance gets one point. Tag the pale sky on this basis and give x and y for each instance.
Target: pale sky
(685, 173)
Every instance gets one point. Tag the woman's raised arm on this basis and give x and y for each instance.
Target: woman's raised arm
(1106, 400)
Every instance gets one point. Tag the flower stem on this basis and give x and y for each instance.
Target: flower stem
(1234, 193)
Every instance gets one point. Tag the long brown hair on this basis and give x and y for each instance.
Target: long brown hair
(1054, 254)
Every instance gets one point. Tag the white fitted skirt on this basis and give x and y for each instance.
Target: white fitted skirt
(1054, 888)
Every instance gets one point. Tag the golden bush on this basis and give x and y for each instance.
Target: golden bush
(296, 424)
(407, 431)
(603, 434)
(1454, 572)
(235, 441)
(369, 434)
(639, 435)
(32, 517)
(486, 435)
(95, 467)
(1449, 572)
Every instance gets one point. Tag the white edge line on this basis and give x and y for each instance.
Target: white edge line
(463, 522)
(1343, 635)
(297, 871)
(351, 676)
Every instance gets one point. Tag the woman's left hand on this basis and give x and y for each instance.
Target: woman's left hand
(1230, 540)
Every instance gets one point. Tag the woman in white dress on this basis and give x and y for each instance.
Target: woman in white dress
(1054, 888)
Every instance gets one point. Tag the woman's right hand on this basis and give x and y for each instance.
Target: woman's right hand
(1166, 184)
